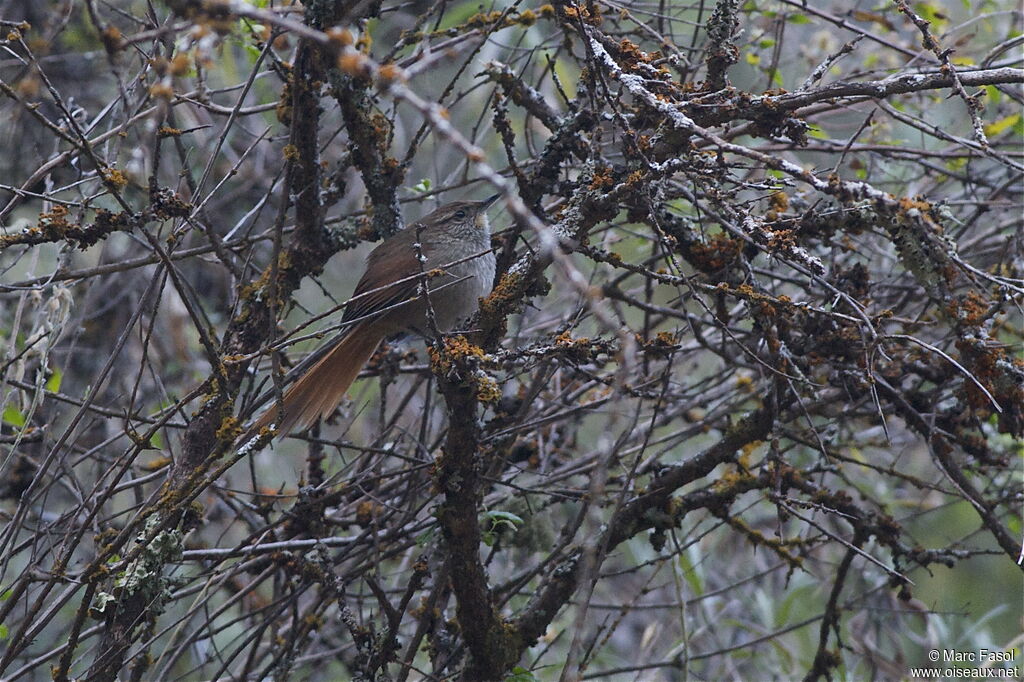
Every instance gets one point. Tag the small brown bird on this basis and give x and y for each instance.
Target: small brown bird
(455, 240)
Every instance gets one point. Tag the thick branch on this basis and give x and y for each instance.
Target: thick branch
(492, 650)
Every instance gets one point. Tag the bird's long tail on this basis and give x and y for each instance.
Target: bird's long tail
(318, 391)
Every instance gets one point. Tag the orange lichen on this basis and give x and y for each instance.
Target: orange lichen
(353, 63)
(389, 72)
(781, 240)
(907, 204)
(157, 464)
(716, 254)
(969, 310)
(602, 178)
(340, 36)
(114, 177)
(229, 430)
(635, 178)
(161, 90)
(592, 17)
(180, 64)
(527, 17)
(484, 19)
(111, 38)
(56, 219)
(366, 511)
(779, 203)
(666, 339)
(746, 452)
(487, 390)
(456, 349)
(631, 53)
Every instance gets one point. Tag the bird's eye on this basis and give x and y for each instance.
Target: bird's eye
(460, 214)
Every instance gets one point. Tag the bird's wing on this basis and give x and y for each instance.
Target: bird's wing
(390, 277)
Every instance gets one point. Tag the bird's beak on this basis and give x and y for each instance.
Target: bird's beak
(490, 200)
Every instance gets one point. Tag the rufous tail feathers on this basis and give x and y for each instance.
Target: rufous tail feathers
(316, 393)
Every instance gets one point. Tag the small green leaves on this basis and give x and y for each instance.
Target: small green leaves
(520, 674)
(499, 520)
(1002, 124)
(13, 416)
(53, 383)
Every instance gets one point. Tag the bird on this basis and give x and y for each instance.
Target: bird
(452, 245)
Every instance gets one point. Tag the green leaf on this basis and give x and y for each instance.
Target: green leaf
(798, 19)
(422, 186)
(956, 164)
(499, 517)
(497, 520)
(13, 417)
(1002, 124)
(53, 383)
(3, 631)
(520, 674)
(423, 538)
(934, 14)
(691, 573)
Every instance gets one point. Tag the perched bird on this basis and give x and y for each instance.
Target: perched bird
(454, 240)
